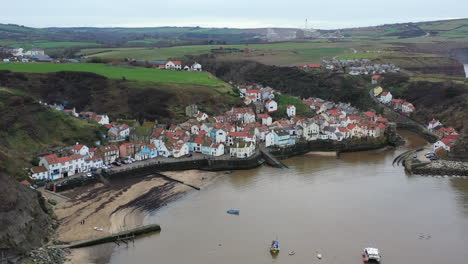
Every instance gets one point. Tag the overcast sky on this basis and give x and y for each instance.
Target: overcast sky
(322, 14)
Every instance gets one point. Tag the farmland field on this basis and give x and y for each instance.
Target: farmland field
(274, 53)
(140, 74)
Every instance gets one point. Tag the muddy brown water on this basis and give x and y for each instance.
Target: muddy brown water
(335, 206)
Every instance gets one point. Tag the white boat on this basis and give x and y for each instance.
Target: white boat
(319, 256)
(371, 255)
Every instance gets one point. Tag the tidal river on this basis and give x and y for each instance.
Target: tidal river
(335, 206)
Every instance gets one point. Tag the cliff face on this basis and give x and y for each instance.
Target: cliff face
(25, 223)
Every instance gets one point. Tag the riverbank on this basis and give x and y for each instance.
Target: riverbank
(116, 206)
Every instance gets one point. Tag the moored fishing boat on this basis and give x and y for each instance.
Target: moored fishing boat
(232, 211)
(274, 248)
(371, 255)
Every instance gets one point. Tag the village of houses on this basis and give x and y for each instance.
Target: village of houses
(236, 134)
(447, 136)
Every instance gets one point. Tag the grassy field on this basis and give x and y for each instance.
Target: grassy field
(140, 74)
(274, 53)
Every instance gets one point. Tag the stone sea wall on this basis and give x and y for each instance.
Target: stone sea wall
(441, 167)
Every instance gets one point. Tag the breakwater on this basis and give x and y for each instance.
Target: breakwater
(439, 167)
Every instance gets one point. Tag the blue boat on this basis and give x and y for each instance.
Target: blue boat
(274, 248)
(236, 212)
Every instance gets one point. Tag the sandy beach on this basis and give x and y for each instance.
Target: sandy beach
(118, 205)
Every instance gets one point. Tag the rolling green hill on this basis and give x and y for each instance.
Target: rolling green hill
(115, 72)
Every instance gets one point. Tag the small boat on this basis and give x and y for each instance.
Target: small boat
(98, 228)
(236, 212)
(319, 256)
(371, 255)
(291, 253)
(274, 248)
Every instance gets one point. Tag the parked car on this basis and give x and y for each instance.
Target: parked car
(93, 169)
(89, 175)
(188, 155)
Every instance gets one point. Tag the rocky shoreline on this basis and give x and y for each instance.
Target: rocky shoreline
(441, 167)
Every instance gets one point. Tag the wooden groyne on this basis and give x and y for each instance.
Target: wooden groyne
(178, 181)
(116, 237)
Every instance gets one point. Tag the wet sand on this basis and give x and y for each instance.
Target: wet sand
(121, 204)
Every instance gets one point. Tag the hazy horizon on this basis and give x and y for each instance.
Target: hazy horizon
(242, 14)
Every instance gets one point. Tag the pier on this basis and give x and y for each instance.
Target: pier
(120, 237)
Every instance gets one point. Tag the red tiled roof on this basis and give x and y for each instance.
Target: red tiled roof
(78, 147)
(375, 76)
(351, 126)
(52, 159)
(447, 142)
(237, 134)
(38, 169)
(369, 114)
(253, 91)
(25, 182)
(175, 62)
(263, 115)
(310, 65)
(452, 137)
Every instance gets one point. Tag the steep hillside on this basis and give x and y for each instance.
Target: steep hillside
(24, 218)
(292, 81)
(120, 98)
(27, 127)
(433, 98)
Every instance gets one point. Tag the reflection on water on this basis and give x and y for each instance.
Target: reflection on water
(332, 205)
